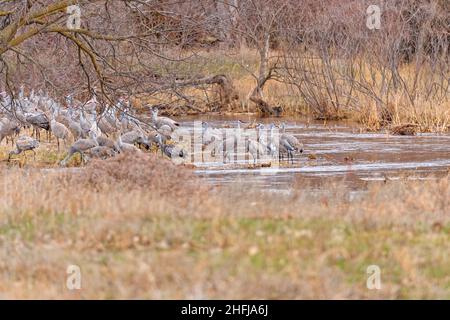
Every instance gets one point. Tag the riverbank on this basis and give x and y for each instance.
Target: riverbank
(357, 89)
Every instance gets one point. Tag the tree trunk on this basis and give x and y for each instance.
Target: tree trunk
(265, 108)
(263, 76)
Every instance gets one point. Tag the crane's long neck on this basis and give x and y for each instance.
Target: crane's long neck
(21, 92)
(154, 116)
(53, 116)
(69, 102)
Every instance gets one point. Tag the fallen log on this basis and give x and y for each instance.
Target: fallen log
(404, 130)
(265, 108)
(227, 93)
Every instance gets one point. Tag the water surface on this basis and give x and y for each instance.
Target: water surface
(334, 152)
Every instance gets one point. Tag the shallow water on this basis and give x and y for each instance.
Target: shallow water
(334, 152)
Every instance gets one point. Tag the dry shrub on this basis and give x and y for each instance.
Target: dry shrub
(138, 171)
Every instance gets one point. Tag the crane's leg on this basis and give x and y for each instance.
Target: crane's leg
(57, 142)
(69, 154)
(34, 155)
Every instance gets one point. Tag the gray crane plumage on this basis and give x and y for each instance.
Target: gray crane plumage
(172, 151)
(126, 147)
(81, 146)
(8, 129)
(160, 121)
(23, 144)
(38, 121)
(60, 131)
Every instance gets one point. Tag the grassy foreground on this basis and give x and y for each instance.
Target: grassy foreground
(148, 229)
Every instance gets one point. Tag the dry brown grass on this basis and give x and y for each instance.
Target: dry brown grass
(143, 231)
(142, 171)
(429, 113)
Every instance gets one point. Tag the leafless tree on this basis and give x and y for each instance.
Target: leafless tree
(121, 48)
(153, 50)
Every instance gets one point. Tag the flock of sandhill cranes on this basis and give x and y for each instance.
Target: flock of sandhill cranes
(273, 145)
(116, 130)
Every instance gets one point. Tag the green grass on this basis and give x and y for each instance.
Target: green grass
(278, 248)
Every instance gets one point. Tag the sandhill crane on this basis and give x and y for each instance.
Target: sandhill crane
(172, 151)
(133, 137)
(8, 128)
(271, 144)
(69, 101)
(21, 92)
(81, 146)
(232, 139)
(165, 129)
(286, 148)
(110, 116)
(61, 118)
(210, 134)
(91, 105)
(5, 99)
(124, 121)
(293, 141)
(75, 129)
(160, 121)
(136, 137)
(74, 126)
(102, 152)
(84, 124)
(256, 148)
(39, 121)
(152, 138)
(105, 126)
(126, 147)
(107, 142)
(59, 130)
(94, 127)
(23, 144)
(21, 117)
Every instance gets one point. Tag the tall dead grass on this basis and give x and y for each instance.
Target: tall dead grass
(357, 89)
